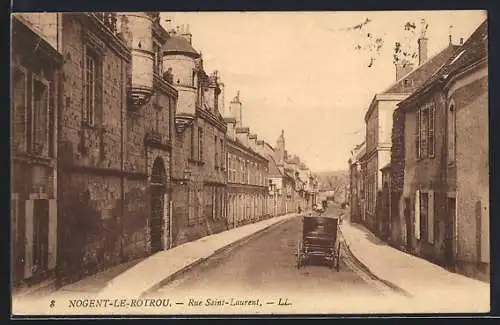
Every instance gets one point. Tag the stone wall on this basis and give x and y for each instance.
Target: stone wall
(471, 103)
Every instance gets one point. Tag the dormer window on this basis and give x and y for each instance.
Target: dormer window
(408, 83)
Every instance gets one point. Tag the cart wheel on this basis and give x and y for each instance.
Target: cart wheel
(338, 259)
(299, 254)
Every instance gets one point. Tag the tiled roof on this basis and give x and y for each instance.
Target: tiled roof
(273, 168)
(474, 49)
(421, 73)
(177, 43)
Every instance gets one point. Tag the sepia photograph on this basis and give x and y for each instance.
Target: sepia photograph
(249, 163)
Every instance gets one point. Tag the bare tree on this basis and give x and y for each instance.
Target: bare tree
(367, 41)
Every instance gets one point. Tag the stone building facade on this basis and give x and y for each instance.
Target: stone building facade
(247, 171)
(199, 166)
(115, 140)
(446, 182)
(379, 127)
(356, 188)
(35, 100)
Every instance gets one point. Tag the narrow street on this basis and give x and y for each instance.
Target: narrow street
(267, 264)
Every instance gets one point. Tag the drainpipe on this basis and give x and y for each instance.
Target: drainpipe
(171, 107)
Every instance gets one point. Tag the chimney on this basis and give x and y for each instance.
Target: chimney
(461, 41)
(403, 69)
(242, 135)
(236, 110)
(184, 32)
(422, 50)
(422, 43)
(222, 99)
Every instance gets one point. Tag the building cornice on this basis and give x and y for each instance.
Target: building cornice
(24, 33)
(246, 150)
(469, 74)
(97, 27)
(383, 97)
(164, 86)
(210, 118)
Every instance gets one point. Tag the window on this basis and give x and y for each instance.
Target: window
(92, 87)
(424, 213)
(216, 151)
(407, 83)
(200, 144)
(19, 107)
(425, 139)
(451, 133)
(193, 144)
(222, 153)
(40, 117)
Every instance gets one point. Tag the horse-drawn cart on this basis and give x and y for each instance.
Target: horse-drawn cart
(319, 239)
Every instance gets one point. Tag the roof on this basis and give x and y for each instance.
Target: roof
(473, 50)
(245, 148)
(418, 75)
(178, 44)
(273, 168)
(422, 72)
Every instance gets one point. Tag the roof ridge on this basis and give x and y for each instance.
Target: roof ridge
(386, 91)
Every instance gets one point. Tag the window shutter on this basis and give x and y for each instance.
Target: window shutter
(28, 239)
(430, 217)
(431, 141)
(417, 138)
(417, 214)
(52, 234)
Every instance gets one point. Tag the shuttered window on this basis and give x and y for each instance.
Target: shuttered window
(417, 135)
(431, 141)
(430, 217)
(19, 107)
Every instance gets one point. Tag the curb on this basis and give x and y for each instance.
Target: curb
(366, 269)
(220, 250)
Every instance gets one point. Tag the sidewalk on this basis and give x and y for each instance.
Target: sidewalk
(433, 288)
(156, 270)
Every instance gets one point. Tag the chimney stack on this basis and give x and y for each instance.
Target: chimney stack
(422, 50)
(186, 33)
(422, 43)
(461, 41)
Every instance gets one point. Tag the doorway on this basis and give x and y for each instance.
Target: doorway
(407, 215)
(157, 206)
(41, 234)
(449, 231)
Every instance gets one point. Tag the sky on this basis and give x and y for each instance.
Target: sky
(300, 72)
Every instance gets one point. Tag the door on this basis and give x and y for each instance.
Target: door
(408, 224)
(385, 215)
(156, 221)
(41, 235)
(449, 231)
